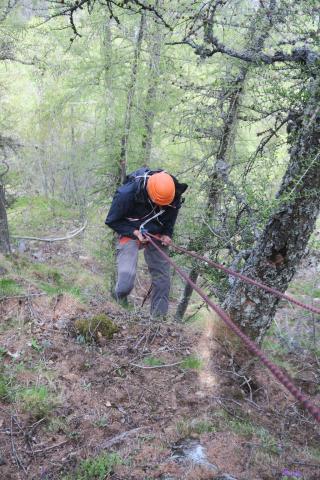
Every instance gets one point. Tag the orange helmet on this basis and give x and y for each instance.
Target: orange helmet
(161, 188)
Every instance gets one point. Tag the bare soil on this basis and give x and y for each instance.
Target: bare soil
(132, 395)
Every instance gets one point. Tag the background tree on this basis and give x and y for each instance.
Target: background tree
(4, 228)
(228, 102)
(7, 143)
(280, 247)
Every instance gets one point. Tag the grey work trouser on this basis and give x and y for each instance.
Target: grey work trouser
(159, 269)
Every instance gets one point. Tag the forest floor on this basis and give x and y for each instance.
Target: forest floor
(158, 400)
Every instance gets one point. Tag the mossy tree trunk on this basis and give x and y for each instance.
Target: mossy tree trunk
(282, 244)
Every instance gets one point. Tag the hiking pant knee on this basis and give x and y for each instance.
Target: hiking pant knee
(159, 270)
(127, 258)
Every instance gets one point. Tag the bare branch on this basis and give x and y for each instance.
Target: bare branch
(7, 9)
(69, 9)
(11, 58)
(213, 45)
(58, 239)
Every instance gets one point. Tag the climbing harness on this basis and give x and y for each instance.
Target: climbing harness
(252, 347)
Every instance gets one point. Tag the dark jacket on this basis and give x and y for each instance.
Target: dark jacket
(131, 207)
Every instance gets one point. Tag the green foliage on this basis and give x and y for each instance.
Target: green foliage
(153, 361)
(187, 428)
(313, 452)
(92, 328)
(242, 427)
(9, 287)
(35, 345)
(61, 287)
(98, 468)
(247, 429)
(3, 351)
(74, 279)
(101, 422)
(5, 388)
(57, 425)
(267, 441)
(38, 401)
(192, 362)
(38, 214)
(305, 288)
(53, 282)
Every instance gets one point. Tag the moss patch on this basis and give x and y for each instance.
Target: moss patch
(95, 327)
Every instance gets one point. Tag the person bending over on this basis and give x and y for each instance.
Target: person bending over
(147, 201)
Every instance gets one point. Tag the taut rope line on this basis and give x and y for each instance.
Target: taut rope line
(275, 370)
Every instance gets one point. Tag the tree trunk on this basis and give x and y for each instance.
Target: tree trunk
(217, 179)
(187, 292)
(4, 229)
(122, 171)
(130, 97)
(284, 239)
(107, 53)
(155, 56)
(109, 130)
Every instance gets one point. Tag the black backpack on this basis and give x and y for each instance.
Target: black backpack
(143, 172)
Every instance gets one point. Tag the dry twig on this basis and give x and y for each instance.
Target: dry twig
(149, 367)
(13, 448)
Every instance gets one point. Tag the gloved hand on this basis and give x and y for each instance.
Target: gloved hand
(165, 240)
(140, 237)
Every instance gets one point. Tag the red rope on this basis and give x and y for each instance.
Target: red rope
(283, 379)
(245, 278)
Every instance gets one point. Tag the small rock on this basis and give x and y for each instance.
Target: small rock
(2, 461)
(191, 450)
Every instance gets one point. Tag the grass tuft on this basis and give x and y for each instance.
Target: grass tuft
(187, 428)
(37, 401)
(96, 468)
(192, 363)
(5, 392)
(153, 361)
(9, 287)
